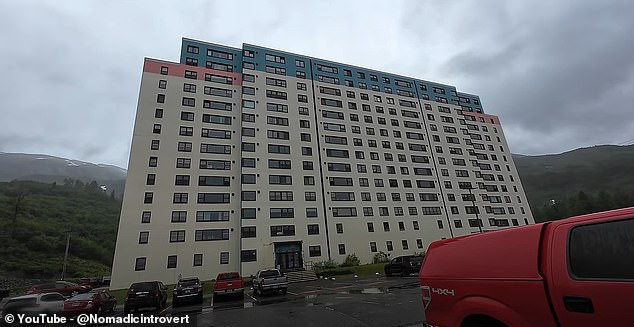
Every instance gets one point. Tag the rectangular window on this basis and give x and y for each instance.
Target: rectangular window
(211, 234)
(248, 255)
(198, 259)
(177, 236)
(282, 230)
(248, 232)
(314, 251)
(214, 197)
(143, 237)
(139, 264)
(313, 229)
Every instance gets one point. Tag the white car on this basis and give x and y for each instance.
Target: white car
(34, 304)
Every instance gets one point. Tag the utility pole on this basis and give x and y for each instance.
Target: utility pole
(66, 256)
(475, 208)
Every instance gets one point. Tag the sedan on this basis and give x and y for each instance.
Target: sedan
(93, 302)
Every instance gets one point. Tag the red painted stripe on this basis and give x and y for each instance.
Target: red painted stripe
(178, 70)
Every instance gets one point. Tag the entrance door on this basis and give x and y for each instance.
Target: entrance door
(288, 256)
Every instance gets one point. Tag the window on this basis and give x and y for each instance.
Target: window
(180, 198)
(389, 245)
(248, 255)
(145, 217)
(182, 180)
(198, 259)
(183, 163)
(299, 63)
(310, 196)
(309, 180)
(151, 179)
(591, 255)
(248, 213)
(213, 197)
(283, 230)
(186, 131)
(386, 226)
(210, 216)
(156, 129)
(248, 195)
(339, 227)
(307, 165)
(177, 236)
(148, 198)
(311, 212)
(164, 70)
(248, 232)
(248, 178)
(211, 235)
(139, 264)
(314, 251)
(158, 113)
(143, 237)
(162, 84)
(342, 249)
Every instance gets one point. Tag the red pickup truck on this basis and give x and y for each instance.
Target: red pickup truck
(229, 283)
(574, 272)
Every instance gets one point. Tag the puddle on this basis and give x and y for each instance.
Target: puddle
(370, 290)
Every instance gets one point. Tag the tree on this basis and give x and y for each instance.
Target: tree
(19, 206)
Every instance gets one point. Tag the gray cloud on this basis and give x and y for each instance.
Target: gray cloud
(559, 74)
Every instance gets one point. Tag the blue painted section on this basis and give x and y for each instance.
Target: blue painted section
(289, 64)
(256, 55)
(470, 100)
(202, 57)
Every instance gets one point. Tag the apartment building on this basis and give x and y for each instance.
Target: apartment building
(247, 158)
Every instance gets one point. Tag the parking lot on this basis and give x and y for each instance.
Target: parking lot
(377, 301)
(365, 302)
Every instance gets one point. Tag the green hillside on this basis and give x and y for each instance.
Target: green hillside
(579, 181)
(35, 218)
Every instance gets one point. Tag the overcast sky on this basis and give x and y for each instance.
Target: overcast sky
(559, 74)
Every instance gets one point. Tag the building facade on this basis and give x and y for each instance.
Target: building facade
(249, 158)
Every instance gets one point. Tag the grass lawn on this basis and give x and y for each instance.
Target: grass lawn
(349, 272)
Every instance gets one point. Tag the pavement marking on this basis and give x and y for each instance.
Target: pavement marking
(164, 310)
(292, 293)
(251, 296)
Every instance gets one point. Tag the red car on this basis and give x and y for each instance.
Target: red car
(93, 302)
(575, 272)
(63, 287)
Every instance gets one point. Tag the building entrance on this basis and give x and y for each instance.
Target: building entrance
(288, 256)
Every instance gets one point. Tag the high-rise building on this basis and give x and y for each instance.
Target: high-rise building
(249, 158)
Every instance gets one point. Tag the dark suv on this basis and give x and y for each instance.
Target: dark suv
(187, 289)
(403, 265)
(145, 295)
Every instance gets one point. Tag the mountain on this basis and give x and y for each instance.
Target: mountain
(49, 169)
(592, 170)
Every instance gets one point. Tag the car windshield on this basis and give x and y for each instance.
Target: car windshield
(143, 287)
(228, 276)
(188, 282)
(83, 297)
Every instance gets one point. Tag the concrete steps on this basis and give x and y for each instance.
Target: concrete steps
(301, 276)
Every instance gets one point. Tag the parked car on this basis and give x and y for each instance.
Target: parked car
(33, 304)
(229, 283)
(93, 282)
(187, 290)
(269, 280)
(60, 286)
(575, 272)
(92, 302)
(105, 281)
(403, 265)
(145, 295)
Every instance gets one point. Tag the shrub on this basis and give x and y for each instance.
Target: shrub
(323, 265)
(381, 257)
(351, 260)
